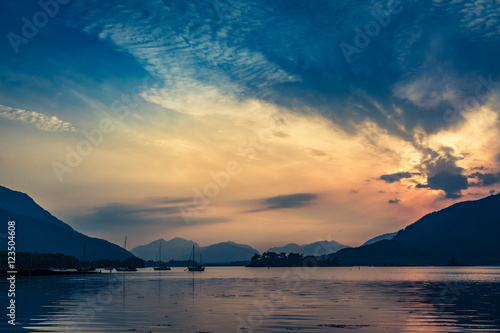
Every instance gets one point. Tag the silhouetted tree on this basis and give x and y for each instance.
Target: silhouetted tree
(255, 257)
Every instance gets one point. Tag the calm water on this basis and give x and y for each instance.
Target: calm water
(238, 299)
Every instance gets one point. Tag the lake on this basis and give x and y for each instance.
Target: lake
(239, 299)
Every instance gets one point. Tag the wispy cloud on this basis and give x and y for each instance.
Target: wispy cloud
(39, 120)
(163, 212)
(296, 200)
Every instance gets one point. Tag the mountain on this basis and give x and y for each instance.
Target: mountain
(38, 231)
(390, 235)
(174, 249)
(21, 203)
(180, 249)
(227, 252)
(288, 248)
(467, 231)
(313, 249)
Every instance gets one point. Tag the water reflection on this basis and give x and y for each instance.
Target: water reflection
(227, 299)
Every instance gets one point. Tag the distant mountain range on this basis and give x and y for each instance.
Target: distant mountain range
(380, 238)
(467, 231)
(39, 231)
(180, 249)
(314, 249)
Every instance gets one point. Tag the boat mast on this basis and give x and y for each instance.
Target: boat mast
(192, 262)
(124, 250)
(160, 252)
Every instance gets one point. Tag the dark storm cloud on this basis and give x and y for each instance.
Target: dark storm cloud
(450, 183)
(442, 159)
(422, 60)
(390, 73)
(443, 173)
(395, 177)
(485, 179)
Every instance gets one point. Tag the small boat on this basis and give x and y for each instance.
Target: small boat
(63, 270)
(197, 268)
(126, 269)
(161, 267)
(84, 268)
(58, 270)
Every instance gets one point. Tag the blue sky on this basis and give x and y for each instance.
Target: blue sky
(389, 105)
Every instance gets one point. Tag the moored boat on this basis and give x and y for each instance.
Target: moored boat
(193, 267)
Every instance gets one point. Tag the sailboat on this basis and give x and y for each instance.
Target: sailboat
(193, 268)
(161, 267)
(124, 268)
(84, 268)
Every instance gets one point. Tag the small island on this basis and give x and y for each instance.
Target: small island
(273, 259)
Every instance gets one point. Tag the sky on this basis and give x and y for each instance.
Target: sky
(259, 122)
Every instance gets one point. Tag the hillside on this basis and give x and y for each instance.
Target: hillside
(374, 240)
(468, 231)
(38, 231)
(180, 249)
(314, 249)
(174, 249)
(21, 203)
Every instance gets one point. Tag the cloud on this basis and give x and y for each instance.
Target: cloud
(478, 18)
(197, 47)
(450, 183)
(39, 120)
(485, 179)
(296, 200)
(395, 177)
(440, 159)
(164, 212)
(396, 201)
(291, 200)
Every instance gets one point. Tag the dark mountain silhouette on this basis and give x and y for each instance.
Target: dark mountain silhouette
(38, 231)
(180, 249)
(390, 235)
(467, 232)
(227, 252)
(174, 249)
(314, 249)
(21, 203)
(288, 248)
